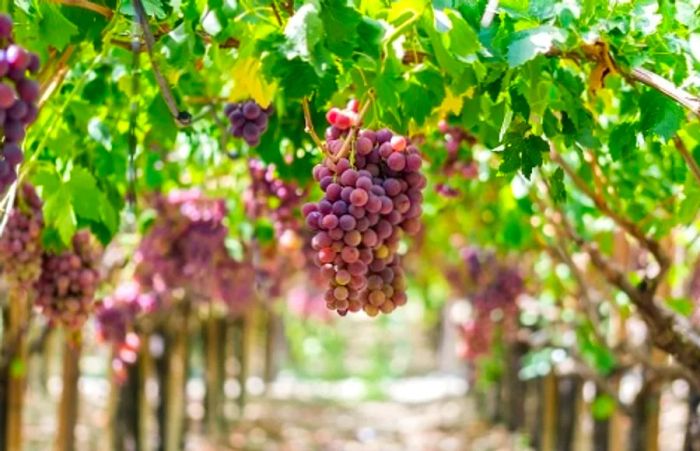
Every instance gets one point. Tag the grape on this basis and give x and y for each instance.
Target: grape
(248, 120)
(7, 96)
(366, 206)
(20, 244)
(68, 282)
(5, 26)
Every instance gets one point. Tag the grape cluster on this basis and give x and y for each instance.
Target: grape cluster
(453, 165)
(359, 221)
(185, 249)
(20, 244)
(268, 195)
(18, 97)
(493, 286)
(248, 120)
(115, 317)
(68, 282)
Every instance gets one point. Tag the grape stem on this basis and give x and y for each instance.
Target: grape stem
(309, 126)
(133, 119)
(86, 4)
(181, 119)
(277, 13)
(343, 152)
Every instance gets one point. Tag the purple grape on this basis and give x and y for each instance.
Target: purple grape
(7, 96)
(251, 110)
(5, 26)
(12, 154)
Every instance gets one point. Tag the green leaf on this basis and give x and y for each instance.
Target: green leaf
(522, 153)
(557, 184)
(340, 23)
(529, 43)
(59, 213)
(463, 40)
(659, 115)
(623, 140)
(682, 306)
(603, 406)
(86, 197)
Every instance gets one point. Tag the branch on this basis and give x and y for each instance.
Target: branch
(690, 161)
(489, 13)
(667, 88)
(277, 13)
(343, 152)
(309, 126)
(86, 4)
(182, 118)
(649, 243)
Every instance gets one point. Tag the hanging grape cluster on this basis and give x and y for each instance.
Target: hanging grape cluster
(18, 97)
(68, 282)
(359, 221)
(115, 317)
(248, 120)
(493, 288)
(20, 243)
(270, 196)
(454, 165)
(185, 249)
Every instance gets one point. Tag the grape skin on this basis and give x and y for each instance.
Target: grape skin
(248, 120)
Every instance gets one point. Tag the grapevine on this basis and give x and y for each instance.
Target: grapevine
(369, 199)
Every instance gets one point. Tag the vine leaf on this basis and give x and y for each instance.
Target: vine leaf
(303, 31)
(558, 189)
(623, 140)
(523, 153)
(659, 115)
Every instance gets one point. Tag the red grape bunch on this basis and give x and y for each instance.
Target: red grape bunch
(492, 286)
(68, 282)
(18, 97)
(453, 165)
(367, 203)
(271, 196)
(20, 244)
(185, 251)
(248, 120)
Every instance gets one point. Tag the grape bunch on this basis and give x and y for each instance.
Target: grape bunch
(18, 97)
(366, 206)
(453, 165)
(185, 251)
(20, 244)
(68, 282)
(248, 120)
(271, 196)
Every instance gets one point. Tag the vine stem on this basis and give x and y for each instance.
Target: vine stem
(399, 30)
(183, 119)
(133, 118)
(277, 13)
(86, 4)
(683, 150)
(649, 243)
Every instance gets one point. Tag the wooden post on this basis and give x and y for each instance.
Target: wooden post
(68, 405)
(549, 417)
(213, 374)
(269, 370)
(126, 420)
(568, 390)
(145, 370)
(18, 317)
(176, 380)
(241, 339)
(692, 428)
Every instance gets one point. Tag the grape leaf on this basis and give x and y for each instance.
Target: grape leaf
(340, 24)
(522, 153)
(557, 184)
(463, 40)
(528, 44)
(59, 213)
(659, 115)
(623, 140)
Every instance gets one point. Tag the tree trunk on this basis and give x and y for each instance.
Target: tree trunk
(68, 406)
(162, 365)
(601, 434)
(568, 390)
(270, 364)
(643, 434)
